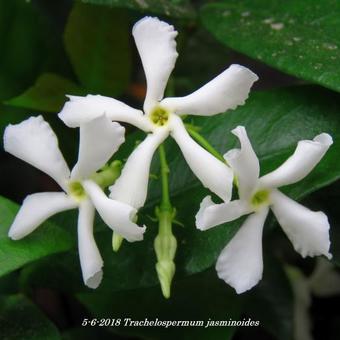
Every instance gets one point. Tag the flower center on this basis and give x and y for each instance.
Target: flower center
(159, 116)
(77, 190)
(260, 197)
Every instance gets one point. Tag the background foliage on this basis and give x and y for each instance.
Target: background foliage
(49, 49)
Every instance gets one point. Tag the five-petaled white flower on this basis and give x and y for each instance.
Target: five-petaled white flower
(240, 262)
(156, 44)
(35, 142)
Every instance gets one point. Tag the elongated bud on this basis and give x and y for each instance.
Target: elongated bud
(116, 241)
(165, 247)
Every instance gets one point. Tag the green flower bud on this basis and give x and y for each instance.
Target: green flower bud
(165, 247)
(117, 241)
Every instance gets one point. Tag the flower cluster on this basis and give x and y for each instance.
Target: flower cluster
(97, 117)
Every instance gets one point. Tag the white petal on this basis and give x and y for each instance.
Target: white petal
(211, 214)
(226, 91)
(117, 215)
(307, 230)
(214, 174)
(36, 209)
(90, 260)
(306, 156)
(99, 140)
(156, 45)
(245, 163)
(79, 110)
(132, 185)
(34, 142)
(240, 263)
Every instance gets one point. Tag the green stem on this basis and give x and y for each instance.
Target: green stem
(203, 142)
(165, 243)
(165, 203)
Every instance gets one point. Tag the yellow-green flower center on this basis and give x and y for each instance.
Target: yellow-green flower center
(159, 116)
(260, 197)
(77, 190)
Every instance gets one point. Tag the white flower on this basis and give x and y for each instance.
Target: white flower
(156, 44)
(240, 262)
(35, 142)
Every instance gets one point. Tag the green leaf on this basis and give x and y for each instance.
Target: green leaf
(197, 298)
(25, 37)
(173, 8)
(97, 42)
(48, 94)
(21, 319)
(286, 116)
(296, 37)
(48, 239)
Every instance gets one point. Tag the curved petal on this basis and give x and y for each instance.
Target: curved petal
(99, 140)
(214, 174)
(211, 214)
(156, 45)
(117, 215)
(306, 156)
(226, 91)
(90, 260)
(79, 110)
(240, 263)
(36, 209)
(132, 185)
(245, 164)
(307, 230)
(34, 142)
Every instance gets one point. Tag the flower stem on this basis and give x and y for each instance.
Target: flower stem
(203, 142)
(165, 203)
(165, 243)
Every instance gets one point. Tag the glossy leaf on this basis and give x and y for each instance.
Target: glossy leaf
(27, 45)
(48, 239)
(97, 42)
(174, 8)
(296, 37)
(48, 94)
(21, 319)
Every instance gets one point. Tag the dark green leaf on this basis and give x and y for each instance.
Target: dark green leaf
(48, 239)
(21, 319)
(197, 298)
(47, 94)
(97, 41)
(297, 37)
(174, 8)
(24, 41)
